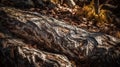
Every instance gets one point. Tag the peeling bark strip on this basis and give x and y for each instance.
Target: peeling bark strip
(57, 37)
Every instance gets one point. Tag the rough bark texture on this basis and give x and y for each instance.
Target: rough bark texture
(29, 39)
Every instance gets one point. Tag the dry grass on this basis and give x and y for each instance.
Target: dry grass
(101, 18)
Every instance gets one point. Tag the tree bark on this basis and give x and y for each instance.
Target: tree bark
(34, 40)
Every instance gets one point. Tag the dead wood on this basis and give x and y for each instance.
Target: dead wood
(56, 42)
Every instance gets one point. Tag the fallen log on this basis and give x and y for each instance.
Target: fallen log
(59, 39)
(22, 55)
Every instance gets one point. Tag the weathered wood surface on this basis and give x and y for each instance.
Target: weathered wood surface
(31, 39)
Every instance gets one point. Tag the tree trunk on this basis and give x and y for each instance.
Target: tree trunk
(30, 39)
